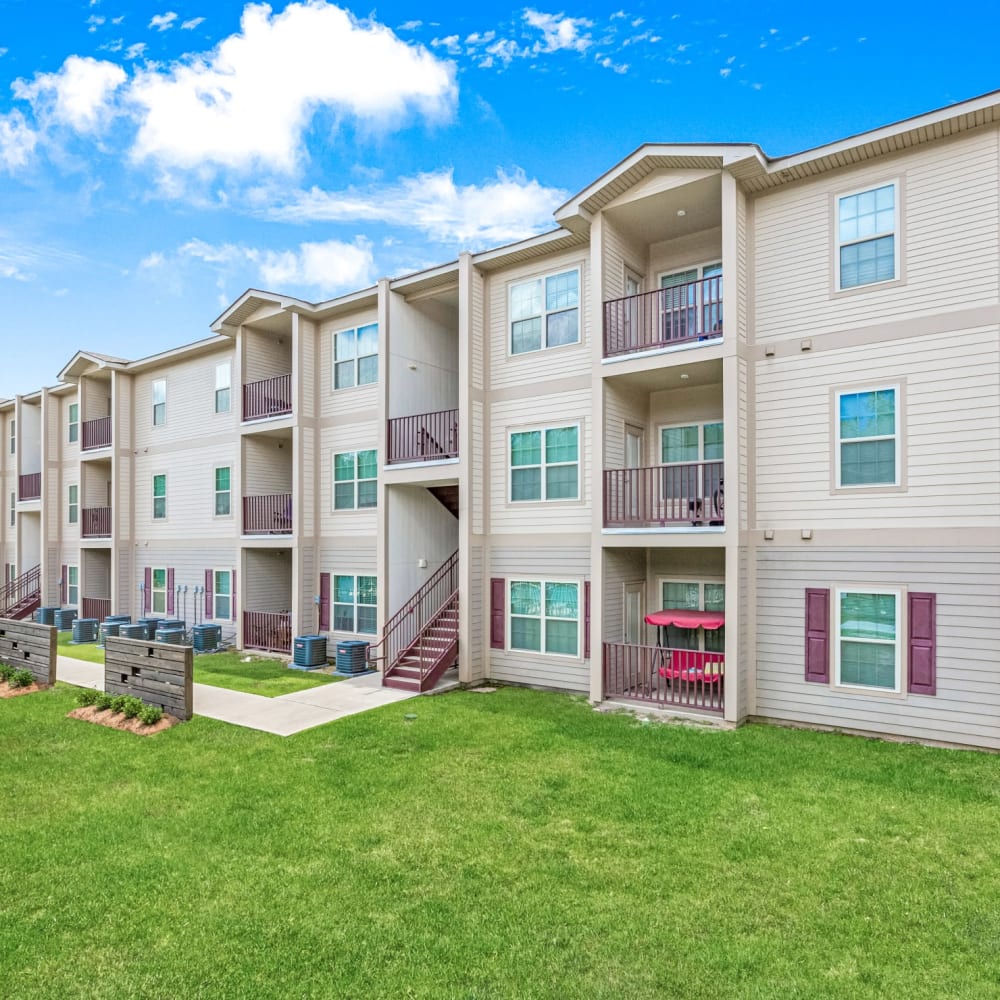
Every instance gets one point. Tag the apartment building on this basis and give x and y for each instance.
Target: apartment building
(726, 441)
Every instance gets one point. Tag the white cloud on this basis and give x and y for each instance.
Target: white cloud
(410, 25)
(163, 21)
(94, 22)
(508, 208)
(78, 95)
(608, 63)
(134, 51)
(3, 52)
(17, 141)
(249, 100)
(192, 24)
(725, 71)
(449, 44)
(153, 260)
(559, 31)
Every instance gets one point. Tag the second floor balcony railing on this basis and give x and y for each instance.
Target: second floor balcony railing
(96, 522)
(665, 496)
(96, 433)
(424, 437)
(270, 397)
(664, 317)
(29, 487)
(267, 515)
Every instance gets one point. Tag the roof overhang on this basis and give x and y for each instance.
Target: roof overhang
(86, 362)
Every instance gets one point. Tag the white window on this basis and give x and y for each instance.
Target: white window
(223, 384)
(545, 312)
(74, 422)
(544, 616)
(73, 586)
(686, 443)
(867, 437)
(354, 604)
(545, 464)
(159, 402)
(159, 497)
(223, 491)
(694, 595)
(73, 505)
(866, 630)
(222, 594)
(355, 484)
(867, 249)
(691, 302)
(355, 356)
(158, 591)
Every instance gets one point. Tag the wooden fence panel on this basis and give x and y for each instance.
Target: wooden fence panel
(160, 673)
(31, 647)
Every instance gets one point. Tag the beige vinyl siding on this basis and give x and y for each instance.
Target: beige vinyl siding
(742, 666)
(619, 253)
(267, 465)
(479, 330)
(477, 468)
(951, 426)
(349, 556)
(188, 561)
(621, 566)
(476, 607)
(966, 708)
(95, 574)
(682, 252)
(308, 587)
(623, 405)
(420, 529)
(95, 478)
(345, 403)
(305, 377)
(535, 366)
(949, 211)
(423, 357)
(743, 376)
(265, 355)
(550, 562)
(739, 318)
(305, 504)
(531, 412)
(266, 581)
(338, 439)
(95, 398)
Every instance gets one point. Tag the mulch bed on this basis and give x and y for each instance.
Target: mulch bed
(115, 720)
(6, 691)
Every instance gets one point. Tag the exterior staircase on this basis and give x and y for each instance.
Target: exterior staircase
(420, 642)
(22, 595)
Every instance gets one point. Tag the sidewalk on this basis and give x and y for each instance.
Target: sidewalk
(291, 713)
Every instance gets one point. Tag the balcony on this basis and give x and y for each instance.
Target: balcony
(268, 515)
(665, 496)
(270, 631)
(270, 397)
(96, 434)
(29, 487)
(425, 437)
(681, 314)
(665, 677)
(96, 522)
(95, 607)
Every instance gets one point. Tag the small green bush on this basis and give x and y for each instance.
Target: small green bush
(150, 714)
(87, 696)
(118, 702)
(6, 670)
(103, 700)
(132, 707)
(21, 679)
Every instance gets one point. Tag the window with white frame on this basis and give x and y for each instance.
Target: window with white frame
(158, 591)
(355, 356)
(545, 312)
(74, 423)
(544, 616)
(73, 585)
(355, 484)
(690, 303)
(867, 437)
(223, 491)
(545, 464)
(686, 443)
(73, 504)
(354, 604)
(159, 497)
(695, 595)
(867, 627)
(867, 222)
(159, 402)
(222, 594)
(223, 385)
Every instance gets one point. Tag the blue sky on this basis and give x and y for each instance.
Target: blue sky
(156, 159)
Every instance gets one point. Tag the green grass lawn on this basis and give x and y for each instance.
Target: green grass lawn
(508, 845)
(270, 678)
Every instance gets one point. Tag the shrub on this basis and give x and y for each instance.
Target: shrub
(21, 679)
(118, 702)
(88, 696)
(6, 670)
(103, 700)
(132, 707)
(149, 715)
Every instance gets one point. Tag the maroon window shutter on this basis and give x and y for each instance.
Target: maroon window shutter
(65, 585)
(817, 635)
(147, 589)
(324, 602)
(922, 643)
(497, 593)
(232, 597)
(209, 582)
(170, 591)
(586, 619)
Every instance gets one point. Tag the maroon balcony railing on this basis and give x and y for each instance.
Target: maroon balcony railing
(667, 678)
(96, 433)
(29, 487)
(95, 607)
(96, 522)
(268, 515)
(267, 630)
(664, 495)
(15, 594)
(270, 397)
(424, 437)
(663, 317)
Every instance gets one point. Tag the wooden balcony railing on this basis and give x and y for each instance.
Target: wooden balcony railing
(663, 495)
(663, 317)
(270, 397)
(667, 678)
(96, 522)
(95, 607)
(268, 630)
(96, 434)
(29, 487)
(268, 515)
(424, 437)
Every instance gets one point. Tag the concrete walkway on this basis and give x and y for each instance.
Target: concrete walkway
(291, 713)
